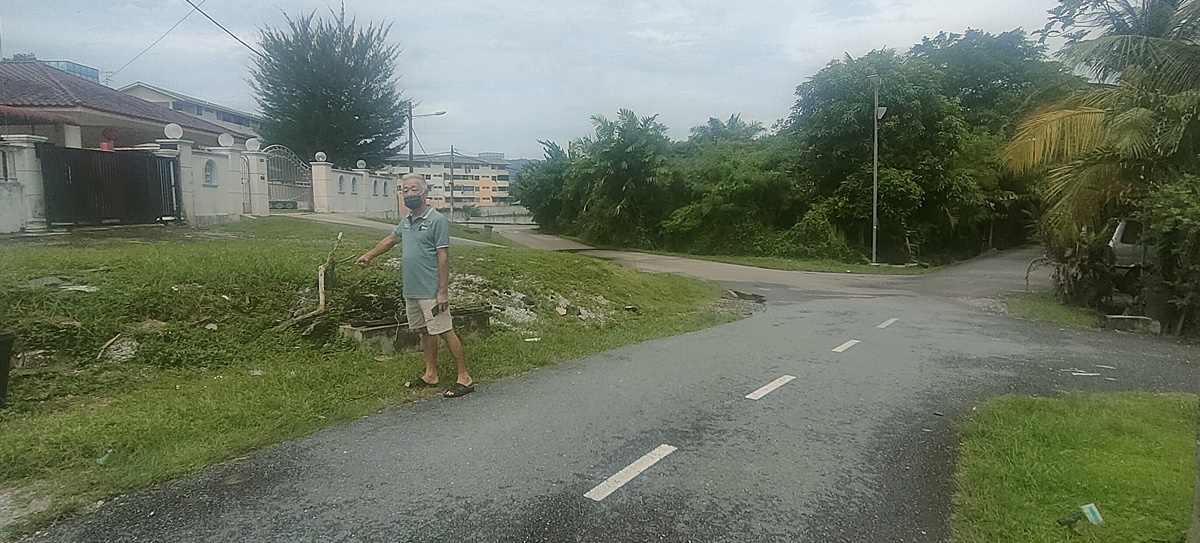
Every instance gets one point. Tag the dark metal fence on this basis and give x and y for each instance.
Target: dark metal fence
(88, 187)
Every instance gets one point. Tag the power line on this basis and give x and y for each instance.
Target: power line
(419, 144)
(231, 34)
(109, 77)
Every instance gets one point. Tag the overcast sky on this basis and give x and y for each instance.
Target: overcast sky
(512, 72)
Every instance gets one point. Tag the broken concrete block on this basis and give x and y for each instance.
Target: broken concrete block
(1133, 323)
(391, 337)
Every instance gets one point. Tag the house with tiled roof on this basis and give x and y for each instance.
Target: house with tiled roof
(98, 114)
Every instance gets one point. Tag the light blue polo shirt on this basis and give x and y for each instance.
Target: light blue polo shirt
(420, 239)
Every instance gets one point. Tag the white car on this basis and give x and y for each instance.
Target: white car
(1127, 245)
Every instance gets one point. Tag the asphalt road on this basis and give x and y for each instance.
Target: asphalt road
(529, 236)
(858, 446)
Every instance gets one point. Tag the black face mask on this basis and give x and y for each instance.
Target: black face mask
(413, 202)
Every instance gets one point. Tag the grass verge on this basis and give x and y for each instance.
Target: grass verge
(459, 230)
(1044, 307)
(825, 266)
(1027, 462)
(202, 373)
(784, 264)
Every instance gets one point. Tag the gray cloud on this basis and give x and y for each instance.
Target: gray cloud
(512, 72)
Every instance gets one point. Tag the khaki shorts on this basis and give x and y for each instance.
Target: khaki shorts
(420, 315)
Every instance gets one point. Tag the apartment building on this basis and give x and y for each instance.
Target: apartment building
(235, 120)
(478, 181)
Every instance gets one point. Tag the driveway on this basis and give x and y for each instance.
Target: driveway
(529, 236)
(859, 382)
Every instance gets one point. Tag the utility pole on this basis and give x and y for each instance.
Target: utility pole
(451, 183)
(875, 175)
(410, 137)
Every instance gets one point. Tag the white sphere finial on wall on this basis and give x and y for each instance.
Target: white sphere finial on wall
(173, 131)
(225, 140)
(362, 164)
(320, 156)
(253, 144)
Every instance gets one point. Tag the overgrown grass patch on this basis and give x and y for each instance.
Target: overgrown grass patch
(465, 231)
(1027, 462)
(820, 265)
(206, 373)
(1044, 307)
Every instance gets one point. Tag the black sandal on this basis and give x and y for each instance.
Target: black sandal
(459, 389)
(419, 382)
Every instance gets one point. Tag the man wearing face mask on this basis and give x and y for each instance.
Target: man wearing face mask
(424, 236)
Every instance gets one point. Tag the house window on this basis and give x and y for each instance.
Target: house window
(341, 184)
(353, 185)
(210, 173)
(385, 188)
(376, 192)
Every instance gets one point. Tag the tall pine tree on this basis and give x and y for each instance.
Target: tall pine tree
(330, 85)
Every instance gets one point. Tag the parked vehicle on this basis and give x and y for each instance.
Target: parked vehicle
(1127, 245)
(1130, 256)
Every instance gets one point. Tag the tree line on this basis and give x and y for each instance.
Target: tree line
(804, 188)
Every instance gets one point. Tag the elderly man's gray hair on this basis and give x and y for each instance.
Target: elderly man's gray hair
(418, 177)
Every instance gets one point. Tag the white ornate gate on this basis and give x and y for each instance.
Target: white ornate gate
(289, 179)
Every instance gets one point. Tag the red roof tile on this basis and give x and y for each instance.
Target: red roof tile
(33, 84)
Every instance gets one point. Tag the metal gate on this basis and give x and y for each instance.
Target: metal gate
(289, 179)
(89, 187)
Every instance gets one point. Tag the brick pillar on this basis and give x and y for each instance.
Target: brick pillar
(322, 177)
(260, 205)
(27, 168)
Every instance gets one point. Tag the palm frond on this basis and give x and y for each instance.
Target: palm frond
(1054, 135)
(1186, 24)
(1133, 132)
(1083, 193)
(1110, 98)
(1168, 65)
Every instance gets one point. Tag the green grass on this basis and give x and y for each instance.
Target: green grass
(1044, 307)
(459, 230)
(785, 264)
(826, 266)
(1027, 462)
(188, 398)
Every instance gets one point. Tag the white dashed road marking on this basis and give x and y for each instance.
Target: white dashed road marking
(770, 387)
(618, 480)
(887, 323)
(842, 348)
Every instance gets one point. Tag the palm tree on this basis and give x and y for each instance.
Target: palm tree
(1109, 145)
(735, 129)
(1106, 146)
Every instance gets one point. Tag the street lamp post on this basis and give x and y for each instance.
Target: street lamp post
(410, 131)
(875, 115)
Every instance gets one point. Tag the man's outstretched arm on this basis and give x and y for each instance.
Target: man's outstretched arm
(383, 246)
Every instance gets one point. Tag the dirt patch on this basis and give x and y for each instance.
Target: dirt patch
(987, 305)
(733, 305)
(13, 507)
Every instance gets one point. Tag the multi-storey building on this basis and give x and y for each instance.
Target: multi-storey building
(482, 182)
(235, 120)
